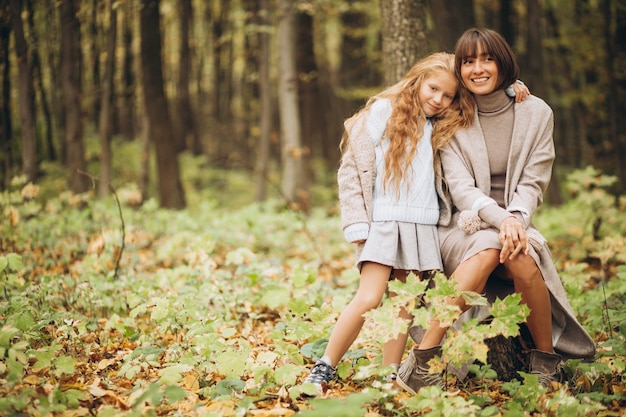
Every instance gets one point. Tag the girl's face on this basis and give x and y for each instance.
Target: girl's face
(480, 73)
(437, 93)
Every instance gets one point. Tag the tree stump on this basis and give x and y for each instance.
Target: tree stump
(509, 355)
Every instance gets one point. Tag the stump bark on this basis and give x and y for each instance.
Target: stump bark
(509, 355)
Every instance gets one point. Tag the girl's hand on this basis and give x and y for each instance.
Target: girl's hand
(513, 238)
(521, 91)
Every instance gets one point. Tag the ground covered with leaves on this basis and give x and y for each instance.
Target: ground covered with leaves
(111, 308)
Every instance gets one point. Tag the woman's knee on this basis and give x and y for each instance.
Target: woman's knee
(488, 258)
(522, 268)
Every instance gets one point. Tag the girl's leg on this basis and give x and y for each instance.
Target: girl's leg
(529, 282)
(394, 348)
(471, 275)
(374, 279)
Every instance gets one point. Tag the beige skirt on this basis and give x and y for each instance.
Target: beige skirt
(458, 246)
(401, 245)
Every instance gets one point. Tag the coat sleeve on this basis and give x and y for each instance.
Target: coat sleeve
(354, 216)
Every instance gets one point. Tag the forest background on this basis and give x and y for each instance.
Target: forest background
(113, 113)
(256, 89)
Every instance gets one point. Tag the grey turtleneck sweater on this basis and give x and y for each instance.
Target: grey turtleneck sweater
(496, 116)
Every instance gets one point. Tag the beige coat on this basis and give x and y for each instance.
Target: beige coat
(466, 171)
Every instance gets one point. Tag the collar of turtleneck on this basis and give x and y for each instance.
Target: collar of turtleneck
(494, 102)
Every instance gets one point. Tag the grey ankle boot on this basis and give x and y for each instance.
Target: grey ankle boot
(414, 371)
(547, 367)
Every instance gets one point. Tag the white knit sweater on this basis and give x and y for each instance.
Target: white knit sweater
(417, 201)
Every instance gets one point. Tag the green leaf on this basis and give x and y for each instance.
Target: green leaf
(64, 365)
(174, 393)
(15, 262)
(44, 358)
(161, 308)
(152, 394)
(232, 363)
(73, 397)
(315, 350)
(287, 374)
(11, 262)
(275, 296)
(173, 373)
(228, 386)
(22, 319)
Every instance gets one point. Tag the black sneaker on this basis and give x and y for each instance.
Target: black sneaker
(321, 374)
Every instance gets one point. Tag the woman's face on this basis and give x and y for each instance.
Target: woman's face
(437, 93)
(480, 73)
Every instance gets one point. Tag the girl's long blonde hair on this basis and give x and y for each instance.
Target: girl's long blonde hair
(405, 127)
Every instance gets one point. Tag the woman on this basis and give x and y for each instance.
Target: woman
(496, 172)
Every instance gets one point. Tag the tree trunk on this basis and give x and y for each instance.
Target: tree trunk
(39, 84)
(94, 46)
(452, 18)
(106, 108)
(128, 121)
(6, 133)
(156, 107)
(506, 21)
(26, 102)
(292, 153)
(404, 35)
(144, 158)
(355, 69)
(266, 110)
(186, 126)
(70, 74)
(614, 37)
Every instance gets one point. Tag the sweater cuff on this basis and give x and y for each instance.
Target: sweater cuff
(493, 214)
(356, 232)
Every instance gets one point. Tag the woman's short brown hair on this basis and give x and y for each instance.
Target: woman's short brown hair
(492, 43)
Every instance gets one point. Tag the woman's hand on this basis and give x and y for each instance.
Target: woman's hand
(513, 238)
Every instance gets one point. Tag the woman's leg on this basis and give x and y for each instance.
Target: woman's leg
(394, 348)
(374, 279)
(471, 275)
(529, 282)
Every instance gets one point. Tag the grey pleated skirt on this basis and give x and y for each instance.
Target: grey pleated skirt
(401, 245)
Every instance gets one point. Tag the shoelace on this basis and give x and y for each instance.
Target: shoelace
(429, 378)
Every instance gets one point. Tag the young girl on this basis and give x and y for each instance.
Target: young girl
(389, 204)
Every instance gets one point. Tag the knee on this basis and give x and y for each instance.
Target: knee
(366, 302)
(522, 269)
(489, 258)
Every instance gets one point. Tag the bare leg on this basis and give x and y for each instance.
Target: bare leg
(394, 348)
(374, 279)
(529, 282)
(471, 275)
